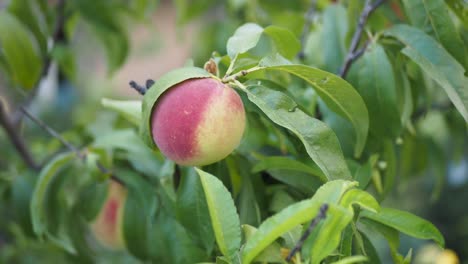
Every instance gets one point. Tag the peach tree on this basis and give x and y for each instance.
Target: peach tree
(283, 141)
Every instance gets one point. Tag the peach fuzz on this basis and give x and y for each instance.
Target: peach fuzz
(198, 121)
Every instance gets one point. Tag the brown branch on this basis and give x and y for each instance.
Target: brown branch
(353, 52)
(17, 141)
(309, 18)
(81, 155)
(321, 215)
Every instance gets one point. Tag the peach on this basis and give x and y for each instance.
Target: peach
(108, 225)
(198, 121)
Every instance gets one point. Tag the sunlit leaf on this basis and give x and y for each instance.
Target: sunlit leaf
(406, 223)
(293, 215)
(224, 218)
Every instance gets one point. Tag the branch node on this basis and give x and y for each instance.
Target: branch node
(354, 53)
(139, 88)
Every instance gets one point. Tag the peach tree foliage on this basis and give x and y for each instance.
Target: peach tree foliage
(334, 94)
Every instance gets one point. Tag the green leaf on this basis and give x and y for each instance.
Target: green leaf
(280, 162)
(460, 8)
(346, 244)
(151, 96)
(376, 84)
(46, 177)
(270, 254)
(362, 198)
(304, 177)
(436, 62)
(292, 216)
(433, 18)
(333, 37)
(140, 207)
(329, 234)
(131, 110)
(284, 40)
(407, 223)
(116, 45)
(64, 55)
(192, 210)
(20, 51)
(224, 218)
(136, 152)
(352, 259)
(390, 234)
(370, 250)
(390, 170)
(245, 38)
(105, 19)
(338, 94)
(364, 172)
(30, 14)
(319, 140)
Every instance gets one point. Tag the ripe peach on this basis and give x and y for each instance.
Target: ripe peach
(108, 225)
(198, 121)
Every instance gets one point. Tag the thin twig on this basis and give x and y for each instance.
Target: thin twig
(49, 130)
(309, 18)
(16, 139)
(69, 146)
(321, 215)
(353, 52)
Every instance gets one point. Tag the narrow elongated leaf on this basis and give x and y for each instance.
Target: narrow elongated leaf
(138, 154)
(460, 9)
(364, 199)
(224, 218)
(46, 177)
(20, 51)
(151, 96)
(293, 215)
(328, 237)
(105, 18)
(390, 234)
(270, 254)
(319, 140)
(131, 110)
(306, 178)
(279, 162)
(436, 62)
(192, 211)
(140, 207)
(333, 37)
(352, 259)
(338, 94)
(245, 38)
(376, 84)
(432, 17)
(407, 223)
(31, 16)
(346, 244)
